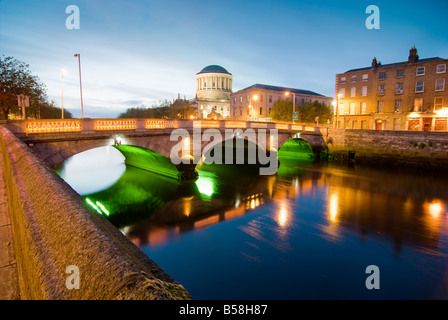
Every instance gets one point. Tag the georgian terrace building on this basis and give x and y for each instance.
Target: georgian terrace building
(408, 95)
(255, 102)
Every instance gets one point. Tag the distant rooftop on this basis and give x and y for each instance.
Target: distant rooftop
(214, 69)
(412, 59)
(390, 65)
(282, 89)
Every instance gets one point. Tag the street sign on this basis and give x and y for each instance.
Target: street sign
(295, 115)
(23, 101)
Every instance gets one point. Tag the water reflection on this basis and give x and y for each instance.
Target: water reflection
(318, 226)
(92, 170)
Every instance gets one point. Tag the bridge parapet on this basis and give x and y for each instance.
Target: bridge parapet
(89, 126)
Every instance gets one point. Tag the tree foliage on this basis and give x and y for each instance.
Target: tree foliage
(16, 78)
(49, 110)
(282, 111)
(178, 109)
(309, 111)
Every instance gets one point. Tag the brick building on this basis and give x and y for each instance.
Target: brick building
(255, 102)
(408, 95)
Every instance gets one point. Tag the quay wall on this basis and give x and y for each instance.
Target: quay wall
(391, 149)
(54, 230)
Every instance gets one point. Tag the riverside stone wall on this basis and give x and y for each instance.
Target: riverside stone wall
(392, 149)
(53, 230)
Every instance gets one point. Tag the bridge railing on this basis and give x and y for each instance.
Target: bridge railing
(88, 126)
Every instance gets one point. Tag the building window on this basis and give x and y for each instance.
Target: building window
(341, 92)
(270, 98)
(234, 100)
(353, 92)
(241, 98)
(354, 78)
(341, 108)
(247, 98)
(363, 107)
(418, 104)
(205, 85)
(399, 88)
(441, 68)
(438, 103)
(419, 86)
(352, 108)
(364, 91)
(440, 84)
(398, 105)
(363, 124)
(382, 75)
(343, 80)
(400, 73)
(213, 85)
(365, 77)
(414, 125)
(420, 71)
(440, 124)
(381, 89)
(380, 108)
(261, 111)
(261, 98)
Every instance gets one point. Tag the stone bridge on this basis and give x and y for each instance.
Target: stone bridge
(53, 141)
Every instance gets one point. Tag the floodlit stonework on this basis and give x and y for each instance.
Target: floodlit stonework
(409, 95)
(213, 89)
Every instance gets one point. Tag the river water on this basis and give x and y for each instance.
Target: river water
(308, 232)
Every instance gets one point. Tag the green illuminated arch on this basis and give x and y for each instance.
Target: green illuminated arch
(149, 160)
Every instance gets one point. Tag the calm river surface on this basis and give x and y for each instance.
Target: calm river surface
(308, 232)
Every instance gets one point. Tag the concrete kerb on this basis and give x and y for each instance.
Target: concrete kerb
(53, 230)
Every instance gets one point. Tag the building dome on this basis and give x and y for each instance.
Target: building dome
(214, 69)
(213, 89)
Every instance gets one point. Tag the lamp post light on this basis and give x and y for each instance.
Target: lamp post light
(293, 104)
(251, 108)
(337, 111)
(62, 82)
(80, 83)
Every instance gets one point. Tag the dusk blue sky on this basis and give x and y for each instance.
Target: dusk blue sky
(141, 52)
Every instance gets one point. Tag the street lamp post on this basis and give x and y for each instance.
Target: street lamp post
(62, 82)
(337, 111)
(80, 83)
(293, 104)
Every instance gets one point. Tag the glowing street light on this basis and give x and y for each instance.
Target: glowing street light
(251, 108)
(80, 83)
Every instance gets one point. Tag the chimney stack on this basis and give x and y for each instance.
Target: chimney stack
(374, 63)
(413, 56)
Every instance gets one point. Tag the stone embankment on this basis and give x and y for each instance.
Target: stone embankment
(407, 150)
(55, 234)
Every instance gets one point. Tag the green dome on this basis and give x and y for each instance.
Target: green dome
(213, 69)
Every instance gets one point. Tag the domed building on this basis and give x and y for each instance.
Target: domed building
(213, 89)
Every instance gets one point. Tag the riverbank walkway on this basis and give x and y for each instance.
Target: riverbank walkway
(8, 266)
